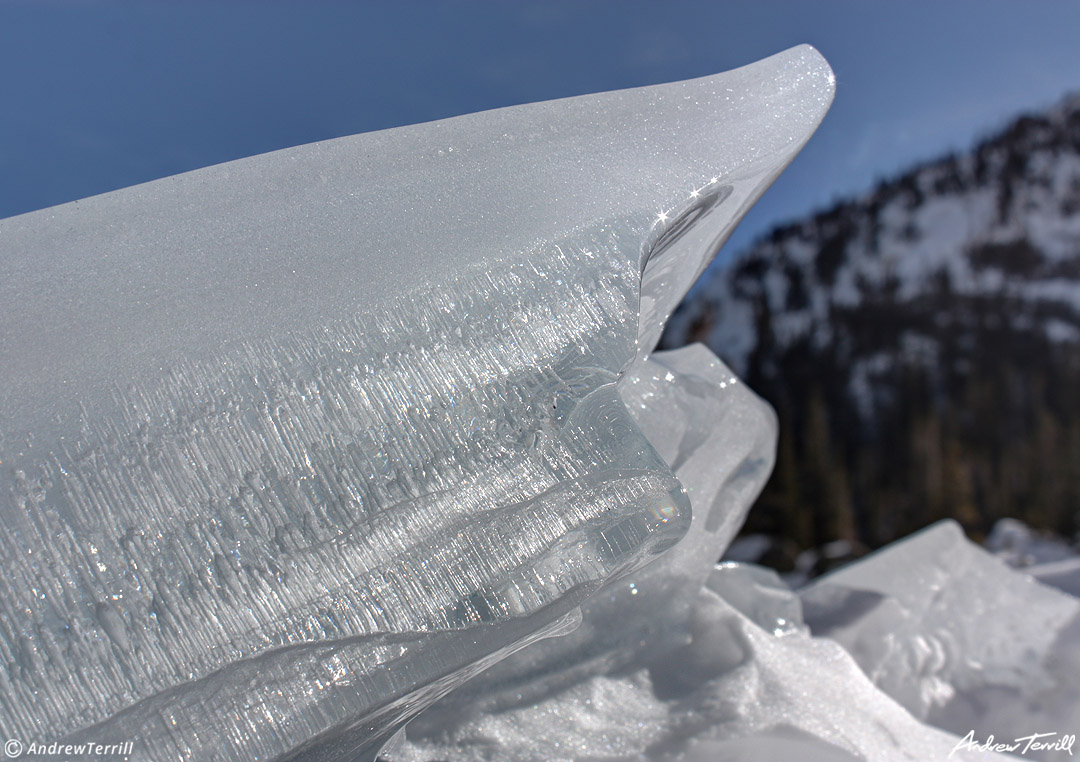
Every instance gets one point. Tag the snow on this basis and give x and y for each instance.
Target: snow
(899, 656)
(740, 679)
(1063, 575)
(1019, 546)
(748, 548)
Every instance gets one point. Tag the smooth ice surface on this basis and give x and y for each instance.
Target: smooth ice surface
(293, 445)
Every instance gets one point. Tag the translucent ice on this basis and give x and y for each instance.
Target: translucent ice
(957, 637)
(294, 445)
(719, 438)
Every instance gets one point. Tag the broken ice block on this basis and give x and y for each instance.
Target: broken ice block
(295, 444)
(955, 635)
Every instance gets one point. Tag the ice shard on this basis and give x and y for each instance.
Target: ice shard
(293, 445)
(958, 638)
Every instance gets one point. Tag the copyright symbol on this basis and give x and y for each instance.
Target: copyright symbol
(13, 748)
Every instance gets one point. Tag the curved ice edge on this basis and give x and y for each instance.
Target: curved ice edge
(720, 440)
(738, 674)
(86, 274)
(400, 699)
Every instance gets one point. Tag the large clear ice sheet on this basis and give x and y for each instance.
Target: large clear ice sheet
(293, 445)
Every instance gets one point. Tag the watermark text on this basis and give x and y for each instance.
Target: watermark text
(1021, 745)
(14, 748)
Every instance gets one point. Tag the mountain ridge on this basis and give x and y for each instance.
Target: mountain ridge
(921, 344)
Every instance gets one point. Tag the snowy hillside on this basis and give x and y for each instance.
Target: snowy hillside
(919, 344)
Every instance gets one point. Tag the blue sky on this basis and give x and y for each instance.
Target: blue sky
(97, 95)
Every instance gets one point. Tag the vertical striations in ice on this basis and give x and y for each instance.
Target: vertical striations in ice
(404, 472)
(294, 445)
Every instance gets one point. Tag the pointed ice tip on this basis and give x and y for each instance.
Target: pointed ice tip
(758, 119)
(303, 235)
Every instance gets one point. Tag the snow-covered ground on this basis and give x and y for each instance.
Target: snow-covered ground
(929, 649)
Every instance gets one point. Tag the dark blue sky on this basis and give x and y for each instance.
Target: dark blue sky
(100, 94)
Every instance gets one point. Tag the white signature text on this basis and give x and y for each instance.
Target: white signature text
(1024, 744)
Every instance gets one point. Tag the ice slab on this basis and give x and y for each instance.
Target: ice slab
(956, 636)
(295, 444)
